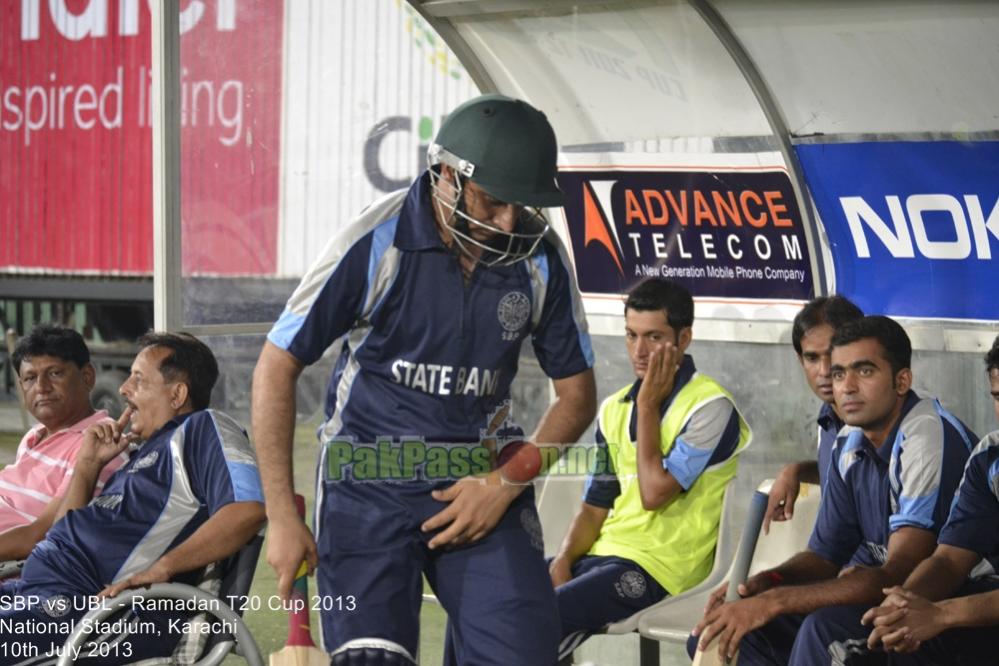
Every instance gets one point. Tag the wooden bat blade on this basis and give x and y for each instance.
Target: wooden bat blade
(710, 657)
(299, 655)
(299, 650)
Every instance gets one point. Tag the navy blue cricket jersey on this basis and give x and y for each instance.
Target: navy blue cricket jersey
(908, 482)
(974, 519)
(189, 469)
(829, 425)
(426, 353)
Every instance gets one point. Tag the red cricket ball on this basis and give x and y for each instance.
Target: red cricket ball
(519, 462)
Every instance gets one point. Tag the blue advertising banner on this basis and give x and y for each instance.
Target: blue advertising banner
(730, 234)
(912, 225)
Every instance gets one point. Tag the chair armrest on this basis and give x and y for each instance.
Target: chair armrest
(672, 622)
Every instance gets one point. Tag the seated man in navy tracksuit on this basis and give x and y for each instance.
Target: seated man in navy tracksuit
(916, 624)
(895, 468)
(189, 496)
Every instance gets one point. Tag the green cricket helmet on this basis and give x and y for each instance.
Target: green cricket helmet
(508, 148)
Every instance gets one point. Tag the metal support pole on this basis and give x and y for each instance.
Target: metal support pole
(167, 300)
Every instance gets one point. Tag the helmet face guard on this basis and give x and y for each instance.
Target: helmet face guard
(508, 149)
(502, 248)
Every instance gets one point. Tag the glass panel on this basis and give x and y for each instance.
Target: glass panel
(882, 67)
(296, 116)
(638, 76)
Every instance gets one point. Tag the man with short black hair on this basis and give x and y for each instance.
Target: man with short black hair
(189, 496)
(648, 524)
(811, 334)
(56, 377)
(917, 624)
(894, 470)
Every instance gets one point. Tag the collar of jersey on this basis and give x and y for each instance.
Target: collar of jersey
(170, 425)
(884, 452)
(417, 228)
(828, 419)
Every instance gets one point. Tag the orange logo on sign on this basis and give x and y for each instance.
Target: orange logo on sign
(596, 228)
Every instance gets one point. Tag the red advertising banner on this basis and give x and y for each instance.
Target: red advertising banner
(75, 137)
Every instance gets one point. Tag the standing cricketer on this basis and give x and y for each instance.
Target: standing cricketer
(432, 291)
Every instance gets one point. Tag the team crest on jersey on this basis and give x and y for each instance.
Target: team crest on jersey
(145, 461)
(513, 311)
(631, 585)
(529, 521)
(56, 605)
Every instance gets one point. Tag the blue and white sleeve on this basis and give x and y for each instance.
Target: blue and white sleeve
(602, 485)
(329, 299)
(837, 534)
(710, 437)
(560, 335)
(220, 461)
(916, 472)
(974, 517)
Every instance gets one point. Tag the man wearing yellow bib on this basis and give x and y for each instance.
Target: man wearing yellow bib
(648, 522)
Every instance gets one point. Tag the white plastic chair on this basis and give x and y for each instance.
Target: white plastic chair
(648, 648)
(673, 619)
(558, 498)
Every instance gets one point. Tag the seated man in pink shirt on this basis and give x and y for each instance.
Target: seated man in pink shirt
(54, 370)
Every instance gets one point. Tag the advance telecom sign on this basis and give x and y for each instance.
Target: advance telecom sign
(913, 226)
(724, 233)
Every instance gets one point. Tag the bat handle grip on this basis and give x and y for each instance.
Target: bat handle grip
(747, 545)
(299, 633)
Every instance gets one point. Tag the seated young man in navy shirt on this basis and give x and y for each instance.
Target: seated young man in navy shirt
(811, 333)
(895, 468)
(189, 496)
(916, 619)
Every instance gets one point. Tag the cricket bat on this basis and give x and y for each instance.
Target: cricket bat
(488, 438)
(299, 649)
(738, 573)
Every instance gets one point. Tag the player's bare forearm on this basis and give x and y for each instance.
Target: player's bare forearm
(224, 533)
(807, 471)
(806, 567)
(273, 419)
(907, 547)
(580, 537)
(940, 575)
(81, 489)
(570, 413)
(863, 586)
(785, 488)
(656, 485)
(582, 533)
(976, 610)
(16, 543)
